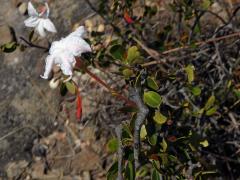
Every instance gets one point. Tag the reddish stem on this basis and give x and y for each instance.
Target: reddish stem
(80, 65)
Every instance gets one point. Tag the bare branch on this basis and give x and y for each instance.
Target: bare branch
(141, 116)
(118, 131)
(33, 45)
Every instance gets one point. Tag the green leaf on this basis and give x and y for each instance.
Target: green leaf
(132, 54)
(126, 131)
(192, 148)
(197, 29)
(164, 145)
(142, 172)
(143, 132)
(155, 175)
(152, 83)
(153, 139)
(9, 47)
(210, 102)
(127, 142)
(204, 143)
(206, 4)
(127, 73)
(229, 84)
(152, 99)
(129, 173)
(164, 158)
(159, 118)
(211, 111)
(112, 145)
(112, 172)
(190, 73)
(117, 52)
(237, 92)
(196, 91)
(199, 174)
(71, 87)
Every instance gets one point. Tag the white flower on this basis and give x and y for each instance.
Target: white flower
(39, 21)
(63, 52)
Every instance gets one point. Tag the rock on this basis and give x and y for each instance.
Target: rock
(14, 169)
(6, 35)
(4, 144)
(13, 58)
(25, 98)
(88, 134)
(86, 160)
(22, 8)
(86, 175)
(38, 172)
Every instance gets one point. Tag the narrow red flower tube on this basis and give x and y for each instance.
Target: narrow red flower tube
(79, 107)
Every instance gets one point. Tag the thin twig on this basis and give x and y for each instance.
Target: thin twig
(113, 91)
(222, 157)
(33, 45)
(134, 94)
(118, 131)
(19, 129)
(164, 61)
(201, 43)
(153, 53)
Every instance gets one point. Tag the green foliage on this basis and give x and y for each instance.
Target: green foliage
(155, 175)
(196, 91)
(143, 132)
(112, 172)
(112, 145)
(209, 103)
(190, 73)
(9, 47)
(117, 52)
(129, 172)
(159, 118)
(206, 4)
(71, 87)
(152, 99)
(132, 55)
(151, 82)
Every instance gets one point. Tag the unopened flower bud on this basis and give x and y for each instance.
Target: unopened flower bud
(54, 83)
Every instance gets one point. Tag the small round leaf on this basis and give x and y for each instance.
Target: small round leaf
(152, 99)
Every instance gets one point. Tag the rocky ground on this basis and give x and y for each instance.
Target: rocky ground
(29, 110)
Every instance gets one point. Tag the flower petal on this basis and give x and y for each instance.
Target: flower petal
(31, 10)
(75, 44)
(66, 68)
(79, 32)
(31, 22)
(67, 63)
(48, 9)
(49, 26)
(40, 28)
(48, 67)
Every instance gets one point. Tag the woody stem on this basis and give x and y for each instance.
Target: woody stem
(114, 92)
